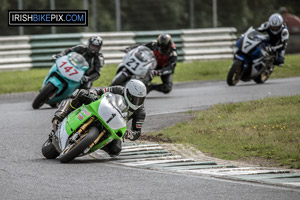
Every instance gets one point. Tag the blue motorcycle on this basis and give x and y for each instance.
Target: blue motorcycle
(253, 58)
(62, 80)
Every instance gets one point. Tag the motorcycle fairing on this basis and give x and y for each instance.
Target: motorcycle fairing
(248, 42)
(110, 118)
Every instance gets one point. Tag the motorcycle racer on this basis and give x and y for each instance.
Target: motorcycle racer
(279, 35)
(91, 52)
(166, 56)
(134, 93)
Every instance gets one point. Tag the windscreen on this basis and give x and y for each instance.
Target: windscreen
(118, 103)
(256, 36)
(77, 60)
(144, 54)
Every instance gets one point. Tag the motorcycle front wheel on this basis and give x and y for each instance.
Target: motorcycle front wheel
(235, 73)
(74, 150)
(46, 92)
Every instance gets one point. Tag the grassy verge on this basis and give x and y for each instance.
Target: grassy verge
(31, 80)
(267, 129)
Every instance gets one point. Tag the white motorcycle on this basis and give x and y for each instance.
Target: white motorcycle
(136, 64)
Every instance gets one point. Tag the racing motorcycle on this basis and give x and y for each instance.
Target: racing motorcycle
(88, 128)
(136, 64)
(62, 80)
(253, 58)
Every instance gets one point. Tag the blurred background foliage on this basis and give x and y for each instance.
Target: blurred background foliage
(140, 15)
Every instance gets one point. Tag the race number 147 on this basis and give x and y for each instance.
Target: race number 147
(68, 69)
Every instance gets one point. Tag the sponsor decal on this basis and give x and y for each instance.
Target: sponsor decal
(87, 113)
(80, 116)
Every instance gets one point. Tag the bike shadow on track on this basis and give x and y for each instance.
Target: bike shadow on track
(83, 160)
(253, 84)
(159, 97)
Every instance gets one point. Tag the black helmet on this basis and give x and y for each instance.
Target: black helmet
(164, 43)
(94, 44)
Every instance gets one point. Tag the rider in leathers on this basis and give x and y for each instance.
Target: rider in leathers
(91, 52)
(279, 35)
(136, 113)
(166, 56)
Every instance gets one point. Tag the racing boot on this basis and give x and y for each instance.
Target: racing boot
(164, 88)
(114, 148)
(78, 98)
(63, 110)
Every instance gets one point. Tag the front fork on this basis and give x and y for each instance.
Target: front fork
(80, 132)
(82, 129)
(245, 65)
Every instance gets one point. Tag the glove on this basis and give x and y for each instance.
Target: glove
(153, 73)
(132, 135)
(85, 79)
(269, 49)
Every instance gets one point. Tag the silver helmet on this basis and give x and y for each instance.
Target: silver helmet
(275, 22)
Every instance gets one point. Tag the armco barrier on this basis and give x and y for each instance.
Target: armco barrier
(44, 46)
(200, 44)
(15, 52)
(113, 43)
(19, 52)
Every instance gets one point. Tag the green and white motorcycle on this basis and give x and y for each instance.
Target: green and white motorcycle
(88, 128)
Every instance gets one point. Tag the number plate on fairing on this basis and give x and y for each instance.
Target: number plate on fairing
(110, 115)
(67, 70)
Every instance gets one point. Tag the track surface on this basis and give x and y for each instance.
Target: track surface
(25, 174)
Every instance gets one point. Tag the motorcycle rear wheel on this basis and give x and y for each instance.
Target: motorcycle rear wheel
(262, 78)
(235, 73)
(82, 143)
(49, 150)
(46, 92)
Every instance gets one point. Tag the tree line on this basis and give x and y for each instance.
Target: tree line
(142, 15)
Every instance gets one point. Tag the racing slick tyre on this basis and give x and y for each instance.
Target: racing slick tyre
(83, 142)
(46, 92)
(235, 73)
(48, 150)
(262, 78)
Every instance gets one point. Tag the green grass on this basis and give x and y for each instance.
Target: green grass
(31, 80)
(267, 129)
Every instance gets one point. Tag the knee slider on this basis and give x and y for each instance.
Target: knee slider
(279, 60)
(167, 88)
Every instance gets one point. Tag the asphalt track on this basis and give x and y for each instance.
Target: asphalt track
(25, 174)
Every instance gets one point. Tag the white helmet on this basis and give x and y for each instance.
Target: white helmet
(275, 22)
(135, 93)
